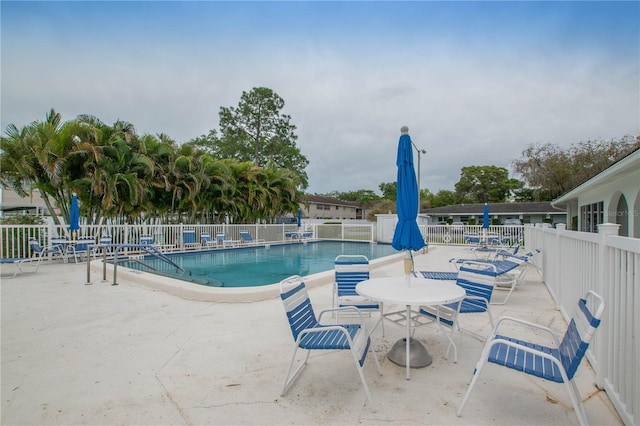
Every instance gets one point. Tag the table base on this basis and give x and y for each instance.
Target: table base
(418, 355)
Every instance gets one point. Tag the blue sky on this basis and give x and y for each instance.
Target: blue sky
(476, 82)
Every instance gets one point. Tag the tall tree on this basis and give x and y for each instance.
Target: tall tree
(256, 130)
(389, 190)
(485, 184)
(551, 170)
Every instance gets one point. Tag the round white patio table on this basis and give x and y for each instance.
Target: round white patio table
(410, 292)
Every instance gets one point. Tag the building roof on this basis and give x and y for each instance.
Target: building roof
(496, 208)
(627, 164)
(317, 199)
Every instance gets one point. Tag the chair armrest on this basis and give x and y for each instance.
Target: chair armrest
(527, 324)
(327, 328)
(342, 309)
(484, 299)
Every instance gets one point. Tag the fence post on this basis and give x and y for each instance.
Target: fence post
(604, 288)
(560, 229)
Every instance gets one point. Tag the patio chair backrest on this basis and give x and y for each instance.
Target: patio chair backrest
(478, 279)
(350, 270)
(220, 238)
(205, 238)
(297, 305)
(106, 239)
(581, 329)
(35, 245)
(189, 236)
(146, 239)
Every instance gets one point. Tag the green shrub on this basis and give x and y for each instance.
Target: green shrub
(22, 220)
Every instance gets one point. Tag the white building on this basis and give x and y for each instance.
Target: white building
(612, 196)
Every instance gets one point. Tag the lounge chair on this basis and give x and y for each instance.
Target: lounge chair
(224, 242)
(248, 239)
(557, 363)
(57, 250)
(206, 241)
(508, 274)
(291, 235)
(478, 280)
(350, 270)
(495, 252)
(310, 334)
(189, 239)
(18, 262)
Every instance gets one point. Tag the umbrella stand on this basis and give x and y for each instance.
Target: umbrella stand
(412, 350)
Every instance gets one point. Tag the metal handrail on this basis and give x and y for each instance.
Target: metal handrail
(149, 249)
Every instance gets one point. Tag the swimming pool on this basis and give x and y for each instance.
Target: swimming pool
(257, 266)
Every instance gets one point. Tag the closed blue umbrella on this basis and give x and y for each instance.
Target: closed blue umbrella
(299, 218)
(407, 235)
(485, 219)
(74, 215)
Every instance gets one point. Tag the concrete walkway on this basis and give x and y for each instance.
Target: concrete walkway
(128, 354)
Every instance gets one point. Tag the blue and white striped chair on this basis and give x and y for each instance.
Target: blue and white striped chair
(189, 239)
(350, 270)
(478, 280)
(557, 363)
(310, 334)
(206, 241)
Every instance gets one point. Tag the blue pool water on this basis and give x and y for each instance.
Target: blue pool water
(256, 266)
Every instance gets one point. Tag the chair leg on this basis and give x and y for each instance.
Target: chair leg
(291, 377)
(476, 373)
(361, 374)
(578, 406)
(448, 335)
(510, 287)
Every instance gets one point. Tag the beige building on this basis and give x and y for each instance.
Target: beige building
(332, 208)
(12, 204)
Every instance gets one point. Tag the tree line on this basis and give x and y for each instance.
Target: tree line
(547, 171)
(118, 174)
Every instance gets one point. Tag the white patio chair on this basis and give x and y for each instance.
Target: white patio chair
(248, 239)
(189, 239)
(478, 280)
(310, 334)
(350, 270)
(224, 242)
(206, 241)
(557, 363)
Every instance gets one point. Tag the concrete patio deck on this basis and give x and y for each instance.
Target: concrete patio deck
(101, 354)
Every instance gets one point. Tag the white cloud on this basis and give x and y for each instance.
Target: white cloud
(464, 106)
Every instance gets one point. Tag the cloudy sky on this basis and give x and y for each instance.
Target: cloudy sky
(476, 82)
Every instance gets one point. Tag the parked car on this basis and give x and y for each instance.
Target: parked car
(544, 225)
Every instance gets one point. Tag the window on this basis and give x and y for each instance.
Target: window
(592, 215)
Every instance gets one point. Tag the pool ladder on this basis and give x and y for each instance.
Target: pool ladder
(149, 249)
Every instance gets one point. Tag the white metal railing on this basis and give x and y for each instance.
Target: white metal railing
(14, 239)
(455, 235)
(575, 262)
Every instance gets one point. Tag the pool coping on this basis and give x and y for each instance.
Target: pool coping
(194, 291)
